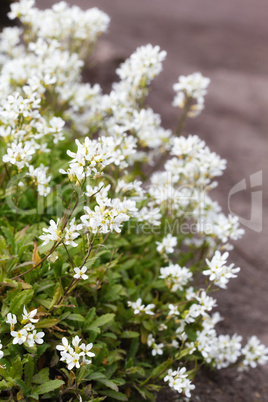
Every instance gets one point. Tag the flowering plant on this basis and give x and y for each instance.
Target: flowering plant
(110, 242)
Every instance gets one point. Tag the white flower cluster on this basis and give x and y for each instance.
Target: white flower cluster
(40, 178)
(139, 308)
(134, 189)
(75, 354)
(24, 130)
(118, 114)
(147, 127)
(254, 353)
(205, 303)
(45, 65)
(218, 271)
(194, 161)
(222, 350)
(177, 379)
(70, 25)
(190, 91)
(142, 66)
(91, 156)
(175, 276)
(157, 348)
(66, 235)
(27, 334)
(108, 215)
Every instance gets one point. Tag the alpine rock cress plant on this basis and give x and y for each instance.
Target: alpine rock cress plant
(99, 290)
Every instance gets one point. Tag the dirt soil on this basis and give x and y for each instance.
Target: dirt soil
(227, 41)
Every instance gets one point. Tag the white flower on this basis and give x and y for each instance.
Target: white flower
(173, 310)
(37, 337)
(56, 129)
(71, 233)
(148, 309)
(53, 233)
(65, 347)
(167, 245)
(150, 340)
(1, 352)
(162, 327)
(72, 360)
(29, 327)
(86, 349)
(11, 320)
(19, 336)
(138, 307)
(29, 316)
(80, 273)
(157, 349)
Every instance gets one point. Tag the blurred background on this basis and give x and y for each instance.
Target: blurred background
(228, 42)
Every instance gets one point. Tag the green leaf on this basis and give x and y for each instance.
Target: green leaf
(115, 395)
(47, 323)
(16, 369)
(102, 320)
(9, 237)
(42, 376)
(108, 383)
(21, 384)
(20, 300)
(76, 317)
(160, 370)
(133, 348)
(48, 386)
(28, 371)
(130, 334)
(90, 315)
